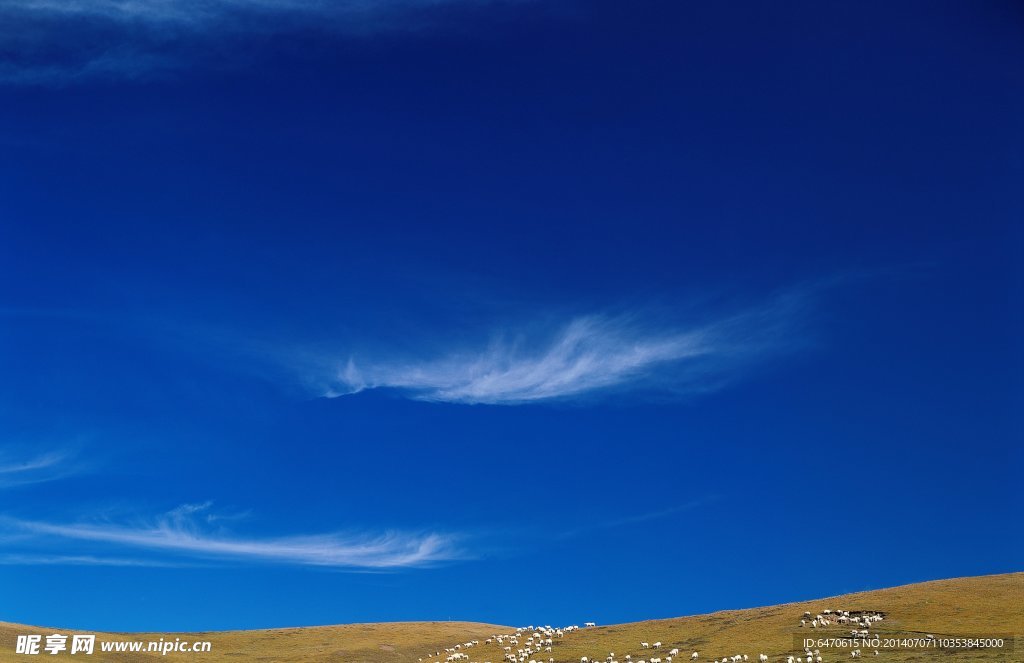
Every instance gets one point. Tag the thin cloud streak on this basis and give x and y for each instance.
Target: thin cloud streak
(63, 42)
(177, 533)
(47, 466)
(639, 518)
(15, 559)
(587, 355)
(197, 12)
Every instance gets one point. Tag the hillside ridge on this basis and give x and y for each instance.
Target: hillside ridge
(975, 606)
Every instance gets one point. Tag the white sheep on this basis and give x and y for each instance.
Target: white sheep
(645, 645)
(657, 645)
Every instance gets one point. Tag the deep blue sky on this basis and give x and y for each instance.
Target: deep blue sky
(663, 307)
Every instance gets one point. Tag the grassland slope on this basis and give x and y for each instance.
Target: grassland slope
(984, 606)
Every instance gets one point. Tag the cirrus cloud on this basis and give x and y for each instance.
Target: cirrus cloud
(180, 533)
(40, 467)
(584, 356)
(61, 42)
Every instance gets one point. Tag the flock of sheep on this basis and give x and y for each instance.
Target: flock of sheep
(861, 619)
(528, 642)
(540, 638)
(857, 618)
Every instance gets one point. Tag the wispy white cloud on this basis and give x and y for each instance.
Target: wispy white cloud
(196, 12)
(37, 468)
(180, 533)
(636, 519)
(31, 559)
(53, 42)
(584, 356)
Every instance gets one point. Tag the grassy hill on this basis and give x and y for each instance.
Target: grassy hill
(986, 606)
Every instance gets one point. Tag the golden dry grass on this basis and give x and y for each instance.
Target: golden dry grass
(982, 606)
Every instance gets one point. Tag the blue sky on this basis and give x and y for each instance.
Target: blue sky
(373, 312)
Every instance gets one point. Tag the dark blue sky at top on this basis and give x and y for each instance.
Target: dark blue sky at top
(191, 251)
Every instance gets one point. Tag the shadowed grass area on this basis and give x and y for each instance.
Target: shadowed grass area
(987, 606)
